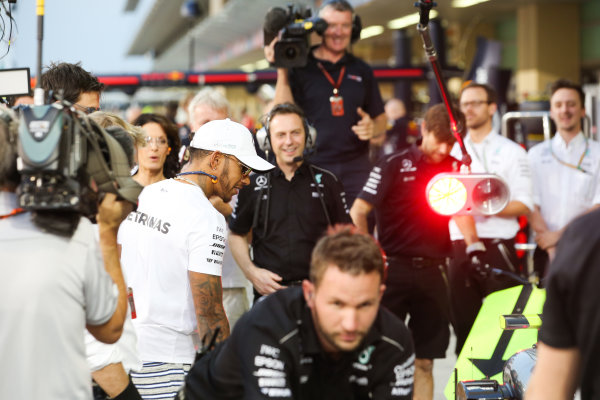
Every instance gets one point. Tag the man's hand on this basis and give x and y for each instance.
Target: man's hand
(112, 212)
(264, 281)
(221, 206)
(551, 253)
(364, 129)
(547, 239)
(476, 254)
(270, 51)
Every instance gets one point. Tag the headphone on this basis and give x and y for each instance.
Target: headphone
(356, 22)
(263, 136)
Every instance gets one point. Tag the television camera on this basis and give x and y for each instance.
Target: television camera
(293, 26)
(65, 162)
(61, 153)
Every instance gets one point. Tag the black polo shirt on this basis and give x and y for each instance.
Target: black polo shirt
(406, 224)
(571, 317)
(274, 353)
(336, 142)
(290, 217)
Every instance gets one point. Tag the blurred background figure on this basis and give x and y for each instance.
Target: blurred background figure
(565, 173)
(22, 101)
(247, 119)
(397, 128)
(183, 119)
(158, 158)
(207, 105)
(132, 113)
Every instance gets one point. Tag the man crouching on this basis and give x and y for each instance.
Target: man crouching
(328, 339)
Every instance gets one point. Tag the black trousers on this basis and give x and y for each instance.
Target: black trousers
(541, 262)
(417, 287)
(129, 393)
(468, 287)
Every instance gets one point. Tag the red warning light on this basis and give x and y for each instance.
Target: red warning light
(447, 195)
(467, 194)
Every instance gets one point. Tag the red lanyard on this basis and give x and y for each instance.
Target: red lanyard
(336, 85)
(13, 213)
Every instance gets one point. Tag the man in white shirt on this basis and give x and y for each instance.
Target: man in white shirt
(565, 172)
(208, 105)
(492, 241)
(172, 253)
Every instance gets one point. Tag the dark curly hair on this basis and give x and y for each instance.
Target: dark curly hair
(72, 79)
(171, 166)
(437, 122)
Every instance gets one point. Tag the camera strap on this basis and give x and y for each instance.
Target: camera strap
(336, 101)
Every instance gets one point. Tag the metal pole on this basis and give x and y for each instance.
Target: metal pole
(38, 93)
(425, 6)
(192, 45)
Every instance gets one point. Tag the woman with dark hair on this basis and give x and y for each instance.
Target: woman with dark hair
(158, 158)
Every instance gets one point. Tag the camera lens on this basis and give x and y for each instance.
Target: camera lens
(291, 52)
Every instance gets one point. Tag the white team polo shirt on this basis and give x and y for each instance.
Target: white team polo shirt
(563, 192)
(501, 156)
(174, 230)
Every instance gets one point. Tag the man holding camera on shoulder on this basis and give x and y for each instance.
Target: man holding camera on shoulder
(51, 286)
(339, 95)
(110, 364)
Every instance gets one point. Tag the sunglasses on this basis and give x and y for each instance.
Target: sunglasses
(87, 110)
(243, 167)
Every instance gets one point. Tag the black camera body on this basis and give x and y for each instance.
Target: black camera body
(51, 159)
(293, 26)
(65, 161)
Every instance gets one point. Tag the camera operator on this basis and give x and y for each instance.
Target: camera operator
(50, 287)
(329, 339)
(74, 84)
(340, 97)
(109, 364)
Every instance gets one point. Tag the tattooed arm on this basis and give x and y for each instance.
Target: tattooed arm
(208, 302)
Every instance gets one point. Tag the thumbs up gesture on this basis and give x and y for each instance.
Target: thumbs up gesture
(364, 128)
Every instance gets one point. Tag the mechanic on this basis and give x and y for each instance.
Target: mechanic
(329, 339)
